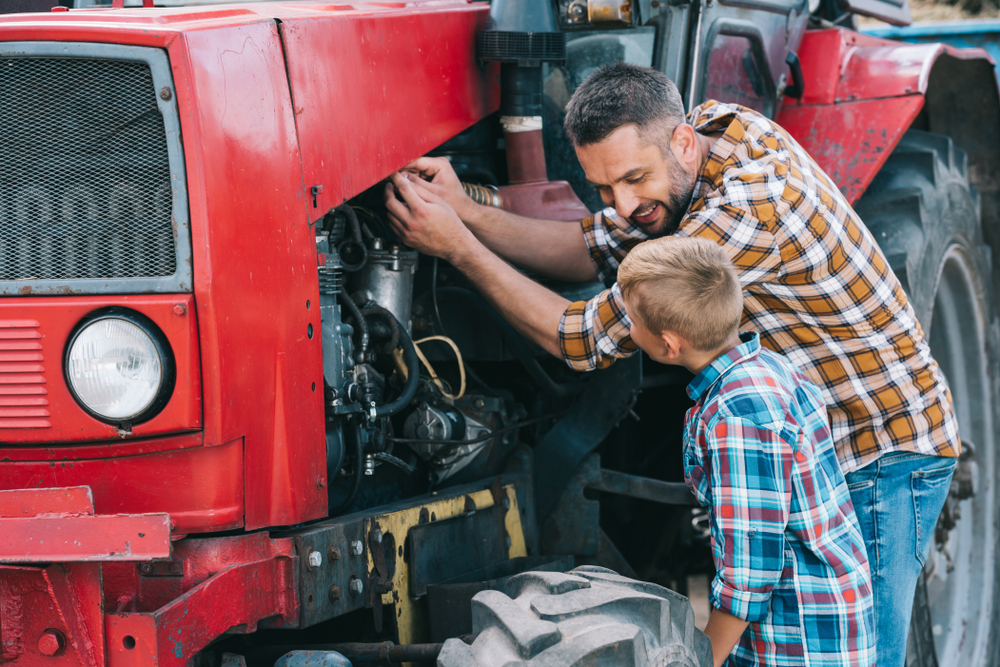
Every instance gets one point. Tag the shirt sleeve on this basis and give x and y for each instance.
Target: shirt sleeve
(749, 481)
(592, 334)
(609, 238)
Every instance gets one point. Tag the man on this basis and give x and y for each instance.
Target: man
(816, 287)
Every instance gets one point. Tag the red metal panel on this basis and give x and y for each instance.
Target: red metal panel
(368, 115)
(32, 502)
(200, 487)
(861, 95)
(851, 141)
(235, 599)
(78, 539)
(24, 385)
(52, 616)
(262, 369)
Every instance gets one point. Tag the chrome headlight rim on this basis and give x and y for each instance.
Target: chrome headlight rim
(161, 344)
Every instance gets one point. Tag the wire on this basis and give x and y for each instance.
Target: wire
(434, 296)
(461, 443)
(430, 369)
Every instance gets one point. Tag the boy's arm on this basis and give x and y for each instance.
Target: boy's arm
(749, 481)
(724, 630)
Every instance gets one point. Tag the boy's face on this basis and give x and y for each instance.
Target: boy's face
(651, 343)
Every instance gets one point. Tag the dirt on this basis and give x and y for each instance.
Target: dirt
(929, 10)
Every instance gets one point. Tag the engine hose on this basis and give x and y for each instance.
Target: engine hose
(359, 465)
(375, 309)
(348, 303)
(357, 242)
(482, 195)
(517, 344)
(412, 374)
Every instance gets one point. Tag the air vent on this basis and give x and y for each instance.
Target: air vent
(23, 397)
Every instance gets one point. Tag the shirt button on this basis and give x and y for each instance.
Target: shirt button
(751, 534)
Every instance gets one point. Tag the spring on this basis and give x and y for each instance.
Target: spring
(482, 195)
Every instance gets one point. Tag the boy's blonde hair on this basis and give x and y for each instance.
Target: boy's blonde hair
(684, 285)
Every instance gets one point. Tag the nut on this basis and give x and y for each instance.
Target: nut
(180, 309)
(357, 548)
(377, 535)
(146, 569)
(51, 643)
(165, 93)
(332, 553)
(356, 587)
(315, 559)
(335, 592)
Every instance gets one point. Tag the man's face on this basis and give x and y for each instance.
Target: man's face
(642, 181)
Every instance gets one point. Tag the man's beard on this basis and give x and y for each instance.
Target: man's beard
(679, 199)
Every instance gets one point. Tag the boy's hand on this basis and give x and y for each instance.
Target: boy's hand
(724, 630)
(423, 220)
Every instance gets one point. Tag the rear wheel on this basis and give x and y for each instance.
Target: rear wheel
(925, 216)
(590, 616)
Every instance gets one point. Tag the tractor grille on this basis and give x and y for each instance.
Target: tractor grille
(85, 186)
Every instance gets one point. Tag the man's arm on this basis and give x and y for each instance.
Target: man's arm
(724, 630)
(546, 247)
(425, 222)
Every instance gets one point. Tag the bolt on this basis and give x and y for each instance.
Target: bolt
(332, 553)
(335, 592)
(320, 481)
(180, 309)
(315, 559)
(357, 548)
(377, 535)
(383, 585)
(480, 403)
(146, 569)
(175, 567)
(356, 587)
(165, 93)
(50, 643)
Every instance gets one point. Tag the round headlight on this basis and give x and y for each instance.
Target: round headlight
(119, 367)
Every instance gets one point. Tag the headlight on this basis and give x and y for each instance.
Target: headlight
(119, 366)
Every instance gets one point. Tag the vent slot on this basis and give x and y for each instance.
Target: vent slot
(23, 396)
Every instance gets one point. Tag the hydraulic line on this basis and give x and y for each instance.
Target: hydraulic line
(362, 325)
(412, 374)
(359, 464)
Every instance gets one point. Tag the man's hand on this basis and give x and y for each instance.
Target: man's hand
(439, 178)
(423, 220)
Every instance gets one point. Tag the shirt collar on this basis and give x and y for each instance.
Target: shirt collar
(711, 117)
(748, 348)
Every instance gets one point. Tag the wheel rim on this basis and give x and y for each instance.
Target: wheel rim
(959, 572)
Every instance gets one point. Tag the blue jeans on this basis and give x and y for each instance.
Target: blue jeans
(897, 499)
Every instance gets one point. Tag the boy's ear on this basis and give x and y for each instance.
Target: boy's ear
(672, 344)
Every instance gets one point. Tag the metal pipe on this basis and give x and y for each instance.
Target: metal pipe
(644, 488)
(381, 653)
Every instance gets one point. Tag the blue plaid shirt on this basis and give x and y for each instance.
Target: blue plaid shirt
(788, 551)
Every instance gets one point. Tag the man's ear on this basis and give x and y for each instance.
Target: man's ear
(672, 344)
(684, 144)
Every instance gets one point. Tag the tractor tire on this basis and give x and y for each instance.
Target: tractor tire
(925, 216)
(589, 616)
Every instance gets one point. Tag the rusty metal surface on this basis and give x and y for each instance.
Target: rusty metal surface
(255, 580)
(52, 615)
(62, 538)
(861, 95)
(32, 502)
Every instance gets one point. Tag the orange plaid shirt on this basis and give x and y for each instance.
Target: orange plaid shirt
(815, 285)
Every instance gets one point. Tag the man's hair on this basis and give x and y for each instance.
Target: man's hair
(622, 94)
(684, 285)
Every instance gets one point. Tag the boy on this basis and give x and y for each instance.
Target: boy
(792, 585)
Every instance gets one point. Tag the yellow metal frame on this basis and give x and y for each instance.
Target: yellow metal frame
(411, 617)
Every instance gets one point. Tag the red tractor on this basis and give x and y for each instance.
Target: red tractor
(241, 424)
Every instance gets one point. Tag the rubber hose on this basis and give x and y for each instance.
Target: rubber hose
(412, 374)
(375, 309)
(359, 465)
(358, 241)
(348, 303)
